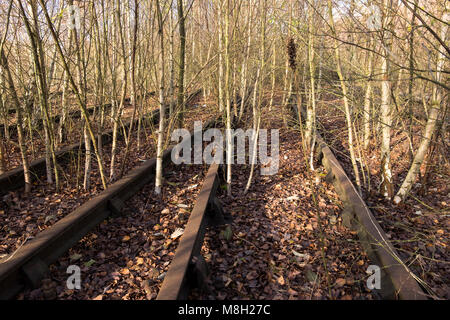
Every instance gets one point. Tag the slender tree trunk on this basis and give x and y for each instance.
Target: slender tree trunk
(345, 98)
(274, 62)
(172, 66)
(181, 70)
(310, 130)
(221, 64)
(76, 91)
(411, 80)
(245, 66)
(227, 95)
(286, 94)
(387, 187)
(367, 102)
(159, 152)
(430, 127)
(258, 93)
(133, 85)
(119, 111)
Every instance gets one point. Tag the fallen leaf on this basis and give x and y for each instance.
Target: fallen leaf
(178, 232)
(300, 255)
(311, 276)
(292, 198)
(75, 257)
(48, 218)
(227, 233)
(89, 263)
(126, 238)
(251, 275)
(340, 282)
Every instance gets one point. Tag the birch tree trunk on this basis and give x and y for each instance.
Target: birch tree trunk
(227, 95)
(387, 188)
(258, 93)
(159, 152)
(181, 70)
(310, 130)
(430, 127)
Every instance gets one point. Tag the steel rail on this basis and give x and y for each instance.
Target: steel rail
(397, 280)
(14, 178)
(188, 268)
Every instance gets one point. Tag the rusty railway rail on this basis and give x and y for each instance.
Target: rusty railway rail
(29, 264)
(188, 268)
(56, 118)
(14, 179)
(398, 282)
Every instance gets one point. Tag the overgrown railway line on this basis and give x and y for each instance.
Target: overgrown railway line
(188, 269)
(14, 179)
(29, 264)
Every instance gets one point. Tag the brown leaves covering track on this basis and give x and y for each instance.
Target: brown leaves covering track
(275, 251)
(23, 216)
(127, 256)
(419, 228)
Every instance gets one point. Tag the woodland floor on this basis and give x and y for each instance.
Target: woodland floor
(283, 246)
(420, 227)
(73, 135)
(274, 252)
(22, 216)
(288, 240)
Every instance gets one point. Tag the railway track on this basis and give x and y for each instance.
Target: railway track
(77, 114)
(188, 269)
(29, 264)
(398, 280)
(14, 179)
